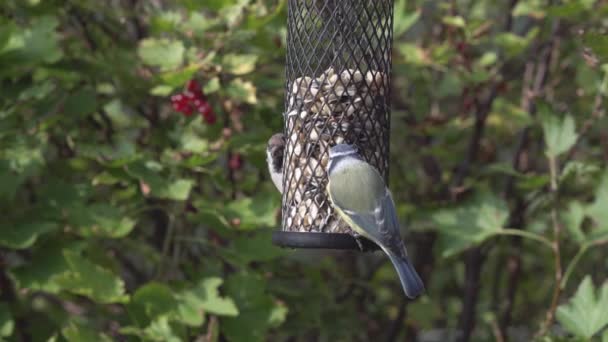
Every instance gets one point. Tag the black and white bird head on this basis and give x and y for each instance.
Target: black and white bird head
(274, 157)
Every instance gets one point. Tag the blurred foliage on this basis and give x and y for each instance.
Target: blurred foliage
(124, 220)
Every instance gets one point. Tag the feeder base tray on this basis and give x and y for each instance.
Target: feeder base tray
(321, 241)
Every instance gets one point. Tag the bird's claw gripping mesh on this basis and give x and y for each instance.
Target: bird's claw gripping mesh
(338, 89)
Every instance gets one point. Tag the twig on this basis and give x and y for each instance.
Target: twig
(473, 265)
(497, 331)
(577, 258)
(556, 251)
(525, 234)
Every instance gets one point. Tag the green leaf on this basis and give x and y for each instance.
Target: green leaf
(403, 20)
(560, 134)
(36, 44)
(257, 248)
(100, 219)
(242, 91)
(212, 302)
(212, 86)
(155, 300)
(254, 212)
(91, 280)
(81, 103)
(162, 331)
(80, 333)
(456, 21)
(471, 223)
(43, 274)
(178, 190)
(532, 8)
(597, 210)
(164, 53)
(258, 311)
(24, 235)
(414, 54)
(587, 312)
(598, 43)
(239, 64)
(573, 218)
(6, 321)
(513, 44)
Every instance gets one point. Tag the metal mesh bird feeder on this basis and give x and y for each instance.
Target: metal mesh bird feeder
(337, 91)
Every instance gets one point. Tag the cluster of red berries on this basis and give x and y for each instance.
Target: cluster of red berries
(193, 99)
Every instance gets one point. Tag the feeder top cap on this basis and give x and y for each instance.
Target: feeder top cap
(341, 150)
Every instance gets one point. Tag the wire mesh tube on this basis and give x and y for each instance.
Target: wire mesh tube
(337, 91)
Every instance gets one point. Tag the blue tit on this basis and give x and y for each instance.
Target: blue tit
(360, 196)
(274, 158)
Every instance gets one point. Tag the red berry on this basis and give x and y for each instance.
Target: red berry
(235, 162)
(190, 95)
(204, 108)
(187, 110)
(177, 98)
(210, 118)
(194, 87)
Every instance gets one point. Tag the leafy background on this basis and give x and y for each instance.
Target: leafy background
(123, 220)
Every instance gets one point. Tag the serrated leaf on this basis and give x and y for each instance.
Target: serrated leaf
(212, 302)
(587, 311)
(7, 324)
(239, 64)
(560, 134)
(23, 235)
(164, 53)
(91, 280)
(471, 223)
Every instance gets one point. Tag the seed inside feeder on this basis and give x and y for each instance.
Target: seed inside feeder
(335, 107)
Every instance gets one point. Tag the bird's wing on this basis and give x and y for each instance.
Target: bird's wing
(381, 225)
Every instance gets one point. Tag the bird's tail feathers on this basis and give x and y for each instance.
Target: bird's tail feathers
(410, 281)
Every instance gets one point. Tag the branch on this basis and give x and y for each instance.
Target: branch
(577, 258)
(550, 316)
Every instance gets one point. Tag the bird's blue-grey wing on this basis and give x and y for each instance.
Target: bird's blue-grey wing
(382, 227)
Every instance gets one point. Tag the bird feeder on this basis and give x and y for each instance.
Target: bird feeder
(337, 91)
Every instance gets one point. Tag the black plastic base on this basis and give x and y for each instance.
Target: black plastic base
(322, 241)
